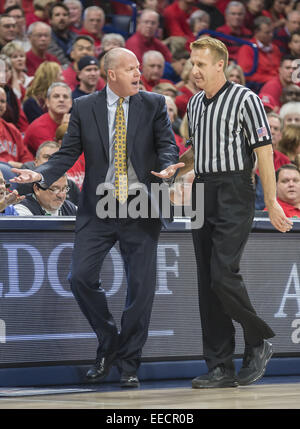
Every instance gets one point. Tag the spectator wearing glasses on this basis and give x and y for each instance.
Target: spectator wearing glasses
(48, 202)
(93, 23)
(40, 36)
(43, 154)
(8, 29)
(18, 14)
(7, 199)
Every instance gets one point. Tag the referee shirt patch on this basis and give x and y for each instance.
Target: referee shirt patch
(262, 132)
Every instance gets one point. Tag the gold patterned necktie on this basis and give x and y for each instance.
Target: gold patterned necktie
(121, 177)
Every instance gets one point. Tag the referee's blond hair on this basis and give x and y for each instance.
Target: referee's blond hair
(216, 47)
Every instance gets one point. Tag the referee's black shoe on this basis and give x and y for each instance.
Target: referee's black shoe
(254, 363)
(129, 380)
(215, 378)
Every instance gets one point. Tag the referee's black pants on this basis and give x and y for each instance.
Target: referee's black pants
(219, 244)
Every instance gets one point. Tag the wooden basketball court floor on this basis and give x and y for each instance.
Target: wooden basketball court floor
(269, 393)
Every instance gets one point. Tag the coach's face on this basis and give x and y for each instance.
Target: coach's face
(205, 68)
(124, 77)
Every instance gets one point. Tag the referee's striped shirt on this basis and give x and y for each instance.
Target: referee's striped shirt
(226, 128)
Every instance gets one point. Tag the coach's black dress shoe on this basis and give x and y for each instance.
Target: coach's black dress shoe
(100, 370)
(217, 377)
(129, 380)
(254, 363)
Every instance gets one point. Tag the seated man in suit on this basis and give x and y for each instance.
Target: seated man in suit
(126, 136)
(48, 202)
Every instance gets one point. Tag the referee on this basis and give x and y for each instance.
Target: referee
(228, 127)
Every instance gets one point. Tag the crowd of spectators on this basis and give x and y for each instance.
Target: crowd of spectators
(52, 52)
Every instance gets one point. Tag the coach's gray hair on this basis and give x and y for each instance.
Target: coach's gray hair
(111, 58)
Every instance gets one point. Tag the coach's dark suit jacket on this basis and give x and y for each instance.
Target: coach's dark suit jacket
(150, 144)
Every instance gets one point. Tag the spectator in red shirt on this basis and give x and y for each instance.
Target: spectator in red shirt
(276, 127)
(40, 12)
(216, 17)
(234, 73)
(153, 69)
(199, 20)
(144, 39)
(294, 44)
(275, 10)
(176, 18)
(288, 189)
(93, 23)
(268, 55)
(75, 8)
(19, 81)
(12, 148)
(282, 35)
(40, 36)
(275, 85)
(234, 17)
(59, 103)
(289, 143)
(188, 89)
(14, 112)
(254, 9)
(34, 104)
(172, 113)
(82, 46)
(8, 29)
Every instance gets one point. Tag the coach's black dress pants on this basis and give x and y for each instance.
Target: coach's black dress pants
(228, 215)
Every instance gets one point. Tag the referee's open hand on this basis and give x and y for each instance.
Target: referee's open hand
(278, 219)
(169, 171)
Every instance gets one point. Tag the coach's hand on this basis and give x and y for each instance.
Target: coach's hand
(25, 176)
(169, 171)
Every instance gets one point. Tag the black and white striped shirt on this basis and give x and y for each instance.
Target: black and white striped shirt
(226, 128)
